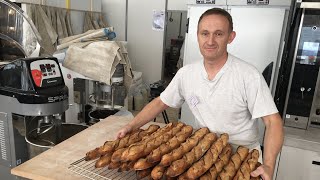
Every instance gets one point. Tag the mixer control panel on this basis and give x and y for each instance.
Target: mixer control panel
(45, 73)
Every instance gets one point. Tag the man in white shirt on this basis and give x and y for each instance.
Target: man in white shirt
(223, 92)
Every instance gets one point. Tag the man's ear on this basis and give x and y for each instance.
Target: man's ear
(231, 37)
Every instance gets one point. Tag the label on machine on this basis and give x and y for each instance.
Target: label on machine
(205, 1)
(45, 73)
(257, 2)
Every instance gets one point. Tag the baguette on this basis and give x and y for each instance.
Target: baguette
(223, 159)
(114, 165)
(143, 173)
(136, 151)
(185, 147)
(256, 178)
(123, 167)
(180, 137)
(103, 160)
(158, 172)
(232, 167)
(179, 166)
(93, 154)
(142, 164)
(127, 166)
(135, 136)
(247, 166)
(110, 146)
(211, 156)
(117, 155)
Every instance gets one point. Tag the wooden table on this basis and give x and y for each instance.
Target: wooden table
(54, 163)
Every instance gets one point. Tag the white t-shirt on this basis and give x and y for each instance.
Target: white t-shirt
(229, 103)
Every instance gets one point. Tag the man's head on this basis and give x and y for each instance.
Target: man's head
(215, 31)
(218, 11)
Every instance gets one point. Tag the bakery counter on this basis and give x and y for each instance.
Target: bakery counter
(302, 139)
(54, 163)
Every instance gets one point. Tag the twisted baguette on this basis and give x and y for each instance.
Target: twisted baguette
(110, 146)
(232, 167)
(127, 166)
(93, 154)
(185, 147)
(180, 137)
(247, 166)
(136, 151)
(210, 157)
(135, 136)
(142, 164)
(158, 172)
(114, 165)
(179, 166)
(103, 160)
(143, 173)
(223, 159)
(256, 178)
(116, 157)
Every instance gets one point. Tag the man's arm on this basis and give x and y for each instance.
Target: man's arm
(273, 141)
(149, 112)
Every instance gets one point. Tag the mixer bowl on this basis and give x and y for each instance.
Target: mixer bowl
(98, 114)
(39, 143)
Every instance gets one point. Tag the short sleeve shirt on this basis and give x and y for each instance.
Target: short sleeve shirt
(230, 103)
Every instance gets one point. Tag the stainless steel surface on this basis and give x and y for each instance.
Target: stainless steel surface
(87, 169)
(98, 114)
(4, 140)
(12, 104)
(40, 143)
(293, 64)
(18, 28)
(302, 139)
(310, 5)
(296, 121)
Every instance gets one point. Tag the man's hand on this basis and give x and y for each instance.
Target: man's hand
(264, 171)
(123, 131)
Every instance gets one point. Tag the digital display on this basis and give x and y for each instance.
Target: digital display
(310, 49)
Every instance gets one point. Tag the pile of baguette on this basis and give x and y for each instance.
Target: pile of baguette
(176, 152)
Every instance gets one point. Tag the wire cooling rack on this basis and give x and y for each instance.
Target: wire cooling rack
(87, 169)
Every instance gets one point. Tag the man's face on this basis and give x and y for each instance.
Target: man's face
(213, 36)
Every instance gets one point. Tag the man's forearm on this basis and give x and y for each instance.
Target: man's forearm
(149, 112)
(273, 140)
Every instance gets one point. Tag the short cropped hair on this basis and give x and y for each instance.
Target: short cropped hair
(218, 11)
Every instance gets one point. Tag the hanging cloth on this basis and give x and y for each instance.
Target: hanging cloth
(87, 25)
(68, 23)
(62, 13)
(59, 25)
(102, 22)
(44, 27)
(94, 20)
(53, 18)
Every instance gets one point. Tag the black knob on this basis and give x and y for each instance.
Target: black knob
(317, 111)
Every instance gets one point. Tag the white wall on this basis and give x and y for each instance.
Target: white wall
(145, 45)
(177, 5)
(114, 12)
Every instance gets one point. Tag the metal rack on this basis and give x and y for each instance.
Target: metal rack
(87, 169)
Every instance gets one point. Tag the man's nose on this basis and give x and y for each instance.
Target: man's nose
(211, 39)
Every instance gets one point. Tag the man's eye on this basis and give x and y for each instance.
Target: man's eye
(204, 34)
(219, 34)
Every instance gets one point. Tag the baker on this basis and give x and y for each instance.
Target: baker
(224, 93)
